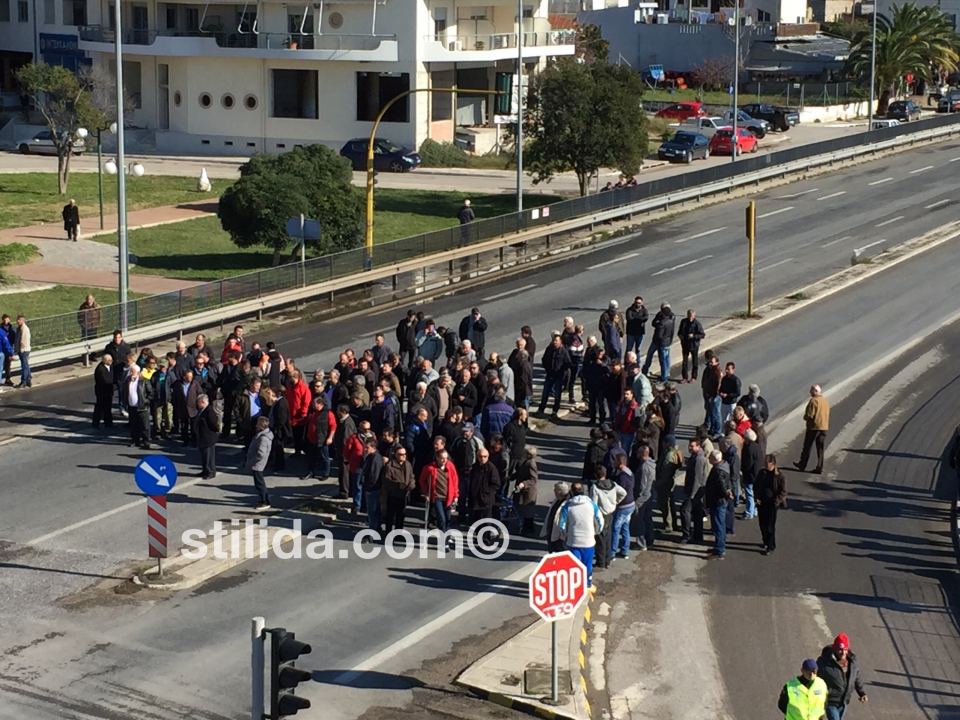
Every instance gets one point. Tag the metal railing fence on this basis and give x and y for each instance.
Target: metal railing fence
(64, 329)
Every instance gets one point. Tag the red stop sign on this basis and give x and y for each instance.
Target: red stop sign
(558, 586)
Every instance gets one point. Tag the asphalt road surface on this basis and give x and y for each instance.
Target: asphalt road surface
(71, 515)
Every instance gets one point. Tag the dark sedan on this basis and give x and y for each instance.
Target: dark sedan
(903, 110)
(780, 118)
(387, 155)
(684, 147)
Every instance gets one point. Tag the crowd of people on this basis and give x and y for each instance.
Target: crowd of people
(443, 420)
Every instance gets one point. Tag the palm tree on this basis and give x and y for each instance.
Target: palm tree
(917, 40)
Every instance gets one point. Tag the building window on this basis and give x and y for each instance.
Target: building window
(74, 12)
(205, 100)
(295, 94)
(4, 10)
(131, 83)
(227, 101)
(374, 90)
(192, 23)
(50, 12)
(23, 11)
(171, 17)
(439, 21)
(250, 102)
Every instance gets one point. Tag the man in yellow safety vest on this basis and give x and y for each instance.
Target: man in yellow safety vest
(805, 696)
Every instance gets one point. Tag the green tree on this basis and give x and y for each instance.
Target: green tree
(917, 40)
(64, 100)
(583, 117)
(590, 44)
(312, 180)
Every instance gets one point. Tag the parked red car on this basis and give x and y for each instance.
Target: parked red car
(722, 141)
(681, 111)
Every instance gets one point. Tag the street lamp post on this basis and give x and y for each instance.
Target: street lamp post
(121, 178)
(519, 134)
(736, 77)
(368, 234)
(873, 67)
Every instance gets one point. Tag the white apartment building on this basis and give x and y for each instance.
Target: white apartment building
(236, 78)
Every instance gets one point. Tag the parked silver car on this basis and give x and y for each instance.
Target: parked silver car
(42, 144)
(757, 127)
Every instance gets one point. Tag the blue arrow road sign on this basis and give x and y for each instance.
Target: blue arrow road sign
(155, 475)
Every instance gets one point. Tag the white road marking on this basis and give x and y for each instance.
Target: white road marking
(833, 195)
(815, 606)
(700, 235)
(510, 292)
(954, 159)
(102, 516)
(598, 651)
(781, 262)
(889, 391)
(937, 204)
(611, 262)
(681, 265)
(429, 629)
(870, 245)
(797, 194)
(920, 170)
(714, 289)
(838, 240)
(776, 212)
(890, 221)
(881, 182)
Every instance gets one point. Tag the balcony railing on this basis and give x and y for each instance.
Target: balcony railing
(233, 39)
(503, 41)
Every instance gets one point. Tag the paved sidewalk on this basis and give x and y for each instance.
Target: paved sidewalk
(89, 263)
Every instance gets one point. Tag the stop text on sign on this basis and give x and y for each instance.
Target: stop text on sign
(558, 586)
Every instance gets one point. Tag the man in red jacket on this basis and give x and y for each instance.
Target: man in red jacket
(298, 398)
(321, 426)
(624, 423)
(440, 485)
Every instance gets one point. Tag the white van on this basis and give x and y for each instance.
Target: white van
(881, 123)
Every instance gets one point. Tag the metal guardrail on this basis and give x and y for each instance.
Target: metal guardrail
(61, 337)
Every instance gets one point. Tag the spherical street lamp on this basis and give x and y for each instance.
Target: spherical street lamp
(82, 133)
(110, 167)
(136, 169)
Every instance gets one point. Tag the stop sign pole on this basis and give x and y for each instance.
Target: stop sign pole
(557, 587)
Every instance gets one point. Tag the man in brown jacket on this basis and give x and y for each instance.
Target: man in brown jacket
(817, 418)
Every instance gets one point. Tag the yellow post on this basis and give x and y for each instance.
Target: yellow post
(751, 229)
(368, 235)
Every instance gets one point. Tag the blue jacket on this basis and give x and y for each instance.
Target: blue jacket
(5, 347)
(495, 417)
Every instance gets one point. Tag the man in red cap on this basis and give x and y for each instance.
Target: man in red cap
(840, 670)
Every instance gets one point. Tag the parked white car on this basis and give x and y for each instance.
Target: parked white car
(705, 126)
(42, 144)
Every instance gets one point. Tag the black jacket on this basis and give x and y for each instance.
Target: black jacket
(144, 394)
(119, 353)
(729, 388)
(407, 335)
(479, 332)
(482, 484)
(771, 487)
(718, 485)
(751, 462)
(593, 458)
(840, 685)
(755, 407)
(671, 414)
(103, 381)
(468, 392)
(555, 360)
(280, 420)
(663, 328)
(208, 429)
(687, 328)
(636, 319)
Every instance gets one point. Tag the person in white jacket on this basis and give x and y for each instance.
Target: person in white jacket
(607, 495)
(580, 522)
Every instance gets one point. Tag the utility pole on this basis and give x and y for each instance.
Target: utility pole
(751, 232)
(519, 138)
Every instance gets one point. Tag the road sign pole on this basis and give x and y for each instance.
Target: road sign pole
(157, 528)
(256, 668)
(554, 671)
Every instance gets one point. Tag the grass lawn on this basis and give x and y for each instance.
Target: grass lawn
(32, 198)
(200, 250)
(54, 301)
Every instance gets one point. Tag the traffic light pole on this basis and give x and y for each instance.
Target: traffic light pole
(751, 232)
(257, 625)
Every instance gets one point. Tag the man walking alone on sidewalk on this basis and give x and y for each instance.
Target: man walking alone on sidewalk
(71, 219)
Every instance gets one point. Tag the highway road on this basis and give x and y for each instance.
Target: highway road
(77, 519)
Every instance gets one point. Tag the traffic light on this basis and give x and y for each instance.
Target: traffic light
(284, 675)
